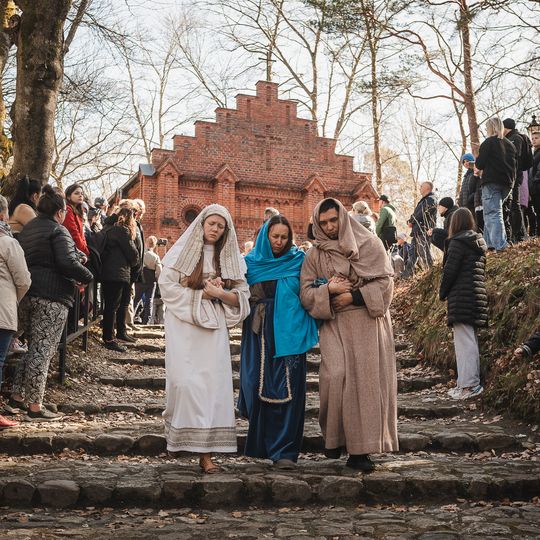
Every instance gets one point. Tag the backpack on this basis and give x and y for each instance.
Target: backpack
(526, 153)
(96, 245)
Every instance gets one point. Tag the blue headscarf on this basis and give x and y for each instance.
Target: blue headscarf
(295, 331)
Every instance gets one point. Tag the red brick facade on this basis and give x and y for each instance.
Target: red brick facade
(257, 155)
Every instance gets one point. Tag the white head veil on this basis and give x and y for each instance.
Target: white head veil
(187, 251)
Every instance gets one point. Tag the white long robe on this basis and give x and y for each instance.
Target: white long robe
(199, 412)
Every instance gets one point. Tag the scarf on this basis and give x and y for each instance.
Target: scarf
(356, 253)
(187, 251)
(5, 229)
(295, 331)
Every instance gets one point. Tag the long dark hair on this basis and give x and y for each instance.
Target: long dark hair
(50, 201)
(26, 187)
(282, 220)
(195, 280)
(461, 220)
(126, 218)
(77, 208)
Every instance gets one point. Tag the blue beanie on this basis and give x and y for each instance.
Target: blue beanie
(467, 157)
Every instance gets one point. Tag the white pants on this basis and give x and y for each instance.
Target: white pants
(467, 355)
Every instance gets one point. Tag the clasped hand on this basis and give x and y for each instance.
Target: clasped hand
(341, 288)
(213, 288)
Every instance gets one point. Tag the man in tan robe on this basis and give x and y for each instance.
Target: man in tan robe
(346, 282)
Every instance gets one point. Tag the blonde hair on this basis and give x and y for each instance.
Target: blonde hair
(140, 204)
(125, 203)
(494, 127)
(151, 242)
(3, 205)
(362, 208)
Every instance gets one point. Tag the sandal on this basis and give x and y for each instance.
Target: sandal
(210, 468)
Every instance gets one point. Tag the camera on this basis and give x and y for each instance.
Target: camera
(162, 242)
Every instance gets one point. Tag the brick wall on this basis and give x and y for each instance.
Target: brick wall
(257, 155)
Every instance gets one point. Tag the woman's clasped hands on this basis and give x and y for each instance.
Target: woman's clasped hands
(213, 289)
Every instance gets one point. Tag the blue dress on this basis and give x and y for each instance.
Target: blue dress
(272, 396)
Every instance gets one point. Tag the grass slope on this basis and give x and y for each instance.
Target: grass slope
(513, 284)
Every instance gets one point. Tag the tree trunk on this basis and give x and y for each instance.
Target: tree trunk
(469, 98)
(7, 9)
(375, 114)
(40, 70)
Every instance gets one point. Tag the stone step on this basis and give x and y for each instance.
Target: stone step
(313, 362)
(409, 406)
(405, 384)
(72, 483)
(235, 346)
(135, 436)
(467, 520)
(147, 334)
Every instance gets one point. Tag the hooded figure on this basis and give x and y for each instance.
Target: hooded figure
(204, 291)
(347, 284)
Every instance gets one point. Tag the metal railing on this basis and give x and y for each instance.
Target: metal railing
(86, 306)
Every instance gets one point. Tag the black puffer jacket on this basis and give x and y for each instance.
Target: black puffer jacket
(463, 282)
(119, 255)
(52, 259)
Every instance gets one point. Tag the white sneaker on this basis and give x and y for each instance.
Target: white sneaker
(453, 392)
(468, 393)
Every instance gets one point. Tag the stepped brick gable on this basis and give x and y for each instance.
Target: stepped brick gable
(257, 155)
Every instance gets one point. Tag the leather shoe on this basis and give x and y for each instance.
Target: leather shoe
(333, 453)
(126, 338)
(361, 462)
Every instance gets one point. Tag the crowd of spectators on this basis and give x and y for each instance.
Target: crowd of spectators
(53, 242)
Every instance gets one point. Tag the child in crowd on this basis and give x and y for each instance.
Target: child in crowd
(463, 286)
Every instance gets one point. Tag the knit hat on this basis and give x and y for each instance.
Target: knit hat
(509, 123)
(447, 202)
(402, 236)
(467, 157)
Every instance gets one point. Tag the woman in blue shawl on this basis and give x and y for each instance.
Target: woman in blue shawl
(275, 339)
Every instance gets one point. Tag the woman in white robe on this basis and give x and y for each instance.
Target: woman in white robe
(205, 293)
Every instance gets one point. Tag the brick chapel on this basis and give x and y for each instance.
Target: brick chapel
(257, 155)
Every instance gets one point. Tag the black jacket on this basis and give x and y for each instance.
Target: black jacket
(534, 175)
(439, 236)
(532, 345)
(466, 194)
(424, 216)
(119, 255)
(515, 138)
(497, 161)
(52, 259)
(137, 275)
(463, 281)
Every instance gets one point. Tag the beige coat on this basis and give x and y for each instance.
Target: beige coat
(357, 377)
(14, 280)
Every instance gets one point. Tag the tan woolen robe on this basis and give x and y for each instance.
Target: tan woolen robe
(357, 377)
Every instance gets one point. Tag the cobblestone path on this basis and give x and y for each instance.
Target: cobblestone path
(101, 471)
